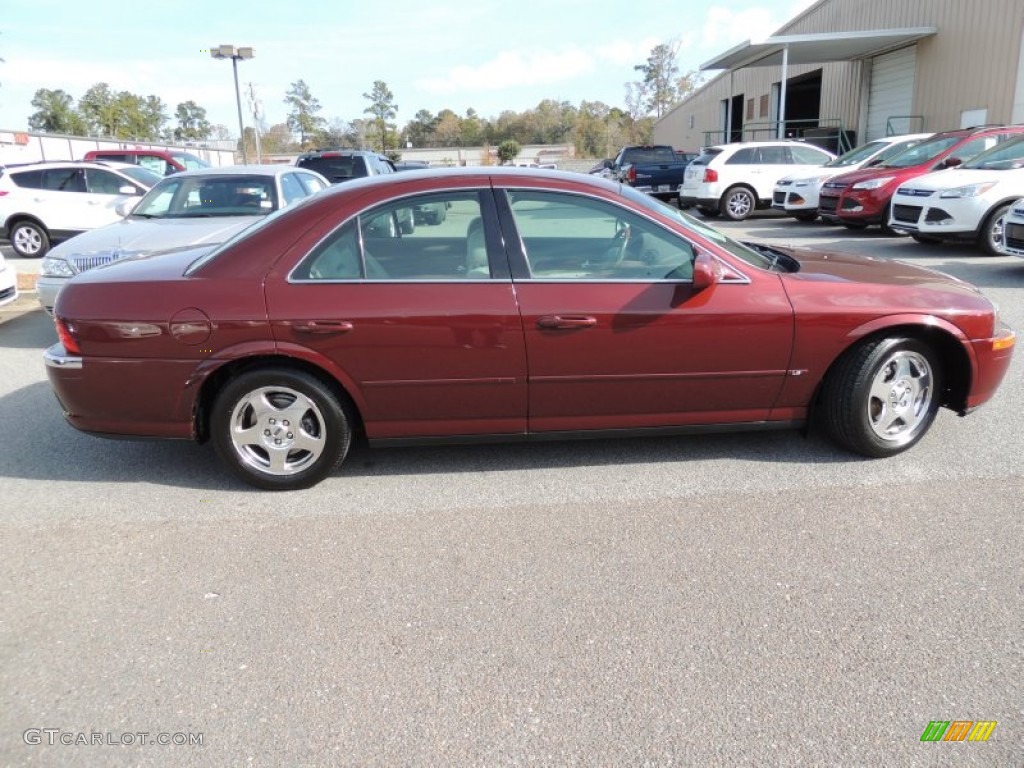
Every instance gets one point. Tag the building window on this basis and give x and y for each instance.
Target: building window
(763, 106)
(750, 109)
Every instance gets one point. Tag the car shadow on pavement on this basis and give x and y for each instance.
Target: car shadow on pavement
(32, 330)
(42, 446)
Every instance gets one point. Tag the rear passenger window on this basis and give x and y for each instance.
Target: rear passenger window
(384, 243)
(28, 179)
(774, 156)
(63, 180)
(743, 156)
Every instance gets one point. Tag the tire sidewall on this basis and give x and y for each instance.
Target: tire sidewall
(44, 245)
(337, 426)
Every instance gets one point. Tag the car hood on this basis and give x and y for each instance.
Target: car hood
(829, 266)
(134, 236)
(958, 177)
(877, 172)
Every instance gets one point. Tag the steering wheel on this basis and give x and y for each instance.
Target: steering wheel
(622, 235)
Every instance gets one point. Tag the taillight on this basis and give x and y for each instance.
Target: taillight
(66, 335)
(3, 192)
(710, 174)
(631, 174)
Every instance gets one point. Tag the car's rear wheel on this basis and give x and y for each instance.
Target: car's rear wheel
(990, 236)
(29, 239)
(280, 429)
(881, 397)
(738, 203)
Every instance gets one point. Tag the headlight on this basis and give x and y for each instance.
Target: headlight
(873, 183)
(53, 266)
(811, 182)
(971, 190)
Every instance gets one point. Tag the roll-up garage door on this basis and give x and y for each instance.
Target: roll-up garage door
(892, 90)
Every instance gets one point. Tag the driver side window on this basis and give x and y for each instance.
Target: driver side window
(570, 237)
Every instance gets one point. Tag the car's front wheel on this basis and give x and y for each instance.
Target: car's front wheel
(738, 203)
(280, 429)
(881, 397)
(29, 239)
(990, 237)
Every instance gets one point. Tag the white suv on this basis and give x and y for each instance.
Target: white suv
(798, 195)
(735, 179)
(967, 202)
(45, 202)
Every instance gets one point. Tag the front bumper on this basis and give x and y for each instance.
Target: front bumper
(1013, 234)
(953, 218)
(856, 207)
(994, 356)
(47, 289)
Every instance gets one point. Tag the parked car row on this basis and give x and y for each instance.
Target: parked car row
(950, 186)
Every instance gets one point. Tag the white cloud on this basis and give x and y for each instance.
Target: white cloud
(628, 52)
(511, 69)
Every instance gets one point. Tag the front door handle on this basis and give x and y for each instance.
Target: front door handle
(566, 321)
(322, 327)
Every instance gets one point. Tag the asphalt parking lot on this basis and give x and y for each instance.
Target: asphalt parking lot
(759, 599)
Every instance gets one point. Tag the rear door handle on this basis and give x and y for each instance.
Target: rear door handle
(566, 321)
(323, 327)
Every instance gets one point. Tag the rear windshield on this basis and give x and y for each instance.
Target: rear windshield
(706, 156)
(335, 168)
(649, 155)
(922, 153)
(190, 161)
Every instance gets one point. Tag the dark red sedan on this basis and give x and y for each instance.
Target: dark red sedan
(547, 304)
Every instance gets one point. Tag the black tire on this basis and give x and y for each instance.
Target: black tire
(855, 416)
(738, 203)
(925, 239)
(683, 206)
(707, 213)
(318, 417)
(805, 216)
(990, 235)
(29, 239)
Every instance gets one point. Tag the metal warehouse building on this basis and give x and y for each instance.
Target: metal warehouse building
(848, 71)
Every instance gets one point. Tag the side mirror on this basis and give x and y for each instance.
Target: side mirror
(953, 162)
(127, 189)
(125, 207)
(707, 270)
(609, 163)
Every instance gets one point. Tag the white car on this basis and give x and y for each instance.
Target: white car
(968, 202)
(203, 207)
(1013, 230)
(8, 283)
(42, 203)
(735, 179)
(798, 195)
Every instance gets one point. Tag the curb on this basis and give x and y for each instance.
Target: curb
(26, 303)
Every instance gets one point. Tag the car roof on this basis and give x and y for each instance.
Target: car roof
(68, 164)
(765, 143)
(267, 169)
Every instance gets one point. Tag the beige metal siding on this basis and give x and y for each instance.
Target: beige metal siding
(970, 64)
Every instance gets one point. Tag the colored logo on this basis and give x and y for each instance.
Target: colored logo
(958, 730)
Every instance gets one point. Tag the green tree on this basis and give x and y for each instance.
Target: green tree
(303, 118)
(97, 107)
(382, 108)
(420, 130)
(55, 113)
(192, 122)
(508, 150)
(661, 78)
(449, 129)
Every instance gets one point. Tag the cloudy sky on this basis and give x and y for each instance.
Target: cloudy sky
(434, 54)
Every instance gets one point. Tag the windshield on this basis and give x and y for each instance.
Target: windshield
(924, 152)
(190, 161)
(1007, 156)
(854, 156)
(142, 175)
(185, 197)
(737, 249)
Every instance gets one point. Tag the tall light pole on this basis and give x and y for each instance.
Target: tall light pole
(233, 53)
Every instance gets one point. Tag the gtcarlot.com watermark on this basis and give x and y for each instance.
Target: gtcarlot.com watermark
(58, 736)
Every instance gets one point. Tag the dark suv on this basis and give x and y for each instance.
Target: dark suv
(338, 165)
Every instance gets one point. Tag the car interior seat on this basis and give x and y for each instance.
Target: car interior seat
(477, 264)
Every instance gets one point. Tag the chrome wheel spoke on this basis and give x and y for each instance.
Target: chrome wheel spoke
(307, 442)
(900, 396)
(278, 464)
(278, 430)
